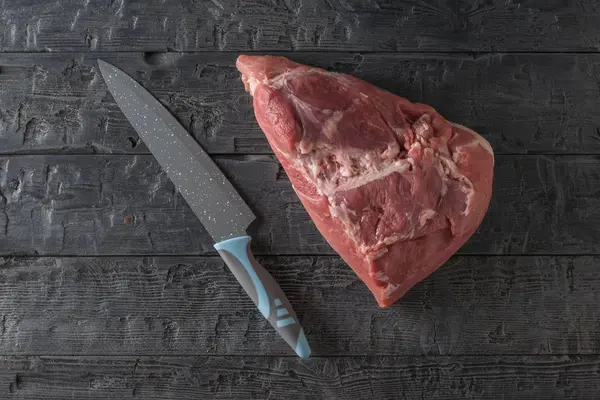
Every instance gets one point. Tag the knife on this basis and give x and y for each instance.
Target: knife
(213, 199)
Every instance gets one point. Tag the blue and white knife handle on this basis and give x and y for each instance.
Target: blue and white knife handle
(264, 292)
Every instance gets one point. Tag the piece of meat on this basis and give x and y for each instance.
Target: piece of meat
(393, 187)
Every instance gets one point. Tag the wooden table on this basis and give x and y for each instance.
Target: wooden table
(110, 287)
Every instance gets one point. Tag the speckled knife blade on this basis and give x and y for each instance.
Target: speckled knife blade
(222, 211)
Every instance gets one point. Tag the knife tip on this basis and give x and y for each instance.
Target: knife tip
(103, 65)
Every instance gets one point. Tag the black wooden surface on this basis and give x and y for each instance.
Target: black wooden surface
(522, 103)
(110, 288)
(122, 205)
(357, 377)
(183, 305)
(292, 25)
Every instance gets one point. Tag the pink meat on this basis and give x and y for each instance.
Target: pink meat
(393, 187)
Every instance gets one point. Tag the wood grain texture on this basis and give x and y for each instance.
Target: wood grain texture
(119, 205)
(194, 306)
(525, 103)
(371, 25)
(117, 309)
(231, 378)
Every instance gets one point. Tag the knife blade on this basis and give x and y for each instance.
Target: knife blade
(210, 195)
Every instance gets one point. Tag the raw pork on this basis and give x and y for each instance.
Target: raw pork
(393, 187)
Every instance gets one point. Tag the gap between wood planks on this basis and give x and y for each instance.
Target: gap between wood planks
(474, 53)
(187, 354)
(242, 155)
(257, 254)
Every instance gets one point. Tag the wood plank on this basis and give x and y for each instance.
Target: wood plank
(482, 377)
(540, 103)
(194, 306)
(388, 25)
(119, 205)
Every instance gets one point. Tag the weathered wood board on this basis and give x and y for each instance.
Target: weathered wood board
(522, 103)
(110, 287)
(194, 306)
(120, 205)
(366, 25)
(357, 378)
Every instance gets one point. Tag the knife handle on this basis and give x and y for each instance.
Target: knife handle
(264, 292)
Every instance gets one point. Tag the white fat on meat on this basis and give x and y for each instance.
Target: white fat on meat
(478, 139)
(426, 215)
(422, 127)
(331, 125)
